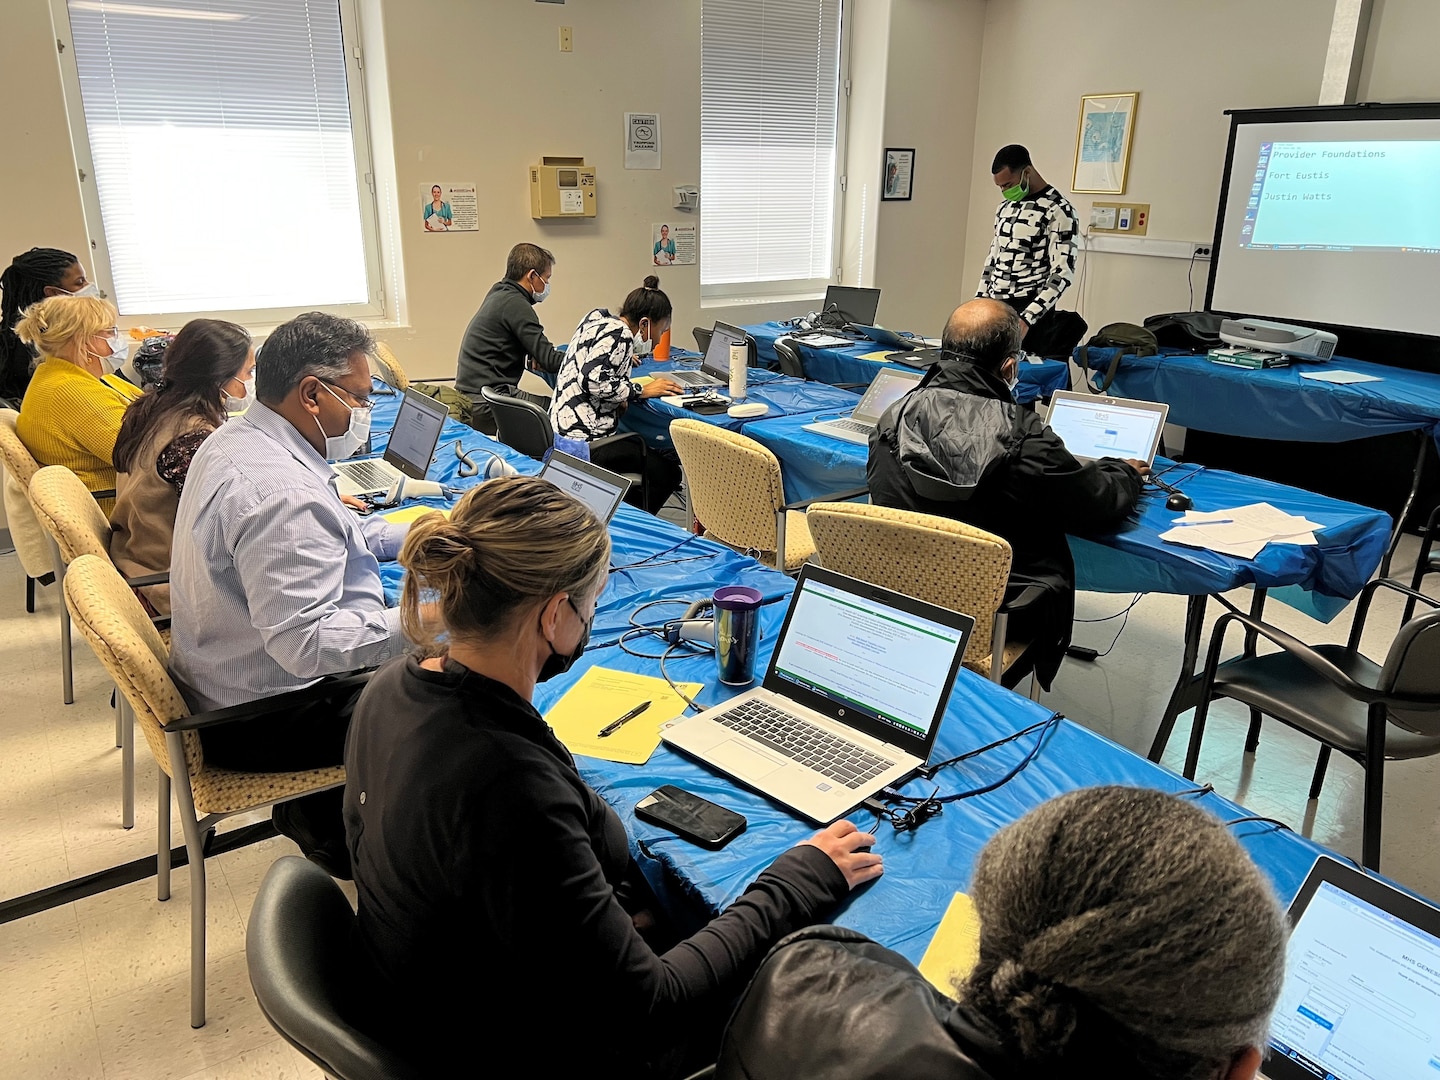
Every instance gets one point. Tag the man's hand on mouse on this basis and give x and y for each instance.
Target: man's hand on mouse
(1139, 466)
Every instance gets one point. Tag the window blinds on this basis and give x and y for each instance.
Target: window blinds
(769, 82)
(220, 139)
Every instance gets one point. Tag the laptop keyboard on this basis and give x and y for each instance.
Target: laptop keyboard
(849, 425)
(689, 378)
(368, 474)
(808, 745)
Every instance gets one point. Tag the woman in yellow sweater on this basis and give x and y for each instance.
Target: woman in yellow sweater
(74, 403)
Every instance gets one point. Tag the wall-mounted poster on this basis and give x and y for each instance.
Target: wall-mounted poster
(450, 208)
(899, 177)
(1102, 145)
(672, 245)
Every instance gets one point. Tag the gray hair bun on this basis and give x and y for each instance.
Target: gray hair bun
(1043, 1013)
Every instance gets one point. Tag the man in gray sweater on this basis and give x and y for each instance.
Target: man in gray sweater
(505, 331)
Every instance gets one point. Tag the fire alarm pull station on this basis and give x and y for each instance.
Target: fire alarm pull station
(562, 187)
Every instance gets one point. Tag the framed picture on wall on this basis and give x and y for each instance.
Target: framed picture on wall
(1102, 145)
(898, 178)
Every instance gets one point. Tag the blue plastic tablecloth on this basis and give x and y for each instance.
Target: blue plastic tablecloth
(924, 868)
(1276, 403)
(784, 395)
(847, 365)
(1351, 541)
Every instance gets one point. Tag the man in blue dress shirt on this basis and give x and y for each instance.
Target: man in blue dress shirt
(274, 582)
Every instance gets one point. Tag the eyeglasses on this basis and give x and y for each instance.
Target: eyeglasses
(360, 402)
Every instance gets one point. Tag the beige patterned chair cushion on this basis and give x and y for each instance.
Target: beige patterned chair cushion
(939, 560)
(64, 505)
(387, 368)
(135, 654)
(19, 462)
(736, 491)
(31, 542)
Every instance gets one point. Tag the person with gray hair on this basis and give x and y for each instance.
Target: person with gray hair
(959, 446)
(1124, 933)
(274, 582)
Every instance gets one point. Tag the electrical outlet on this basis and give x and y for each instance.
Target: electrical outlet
(1202, 251)
(567, 41)
(1131, 218)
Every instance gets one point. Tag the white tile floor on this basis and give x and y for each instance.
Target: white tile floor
(99, 988)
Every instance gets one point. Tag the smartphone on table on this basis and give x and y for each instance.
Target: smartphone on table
(694, 818)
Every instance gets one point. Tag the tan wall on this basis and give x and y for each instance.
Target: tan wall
(1190, 61)
(39, 191)
(932, 94)
(1400, 60)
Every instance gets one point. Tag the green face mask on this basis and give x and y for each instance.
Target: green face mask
(1016, 191)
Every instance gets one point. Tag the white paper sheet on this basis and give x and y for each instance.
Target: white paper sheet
(1242, 531)
(1339, 377)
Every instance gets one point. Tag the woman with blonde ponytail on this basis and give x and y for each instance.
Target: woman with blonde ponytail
(75, 402)
(493, 883)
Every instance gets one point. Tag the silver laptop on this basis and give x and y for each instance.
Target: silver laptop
(1099, 427)
(715, 367)
(851, 702)
(888, 338)
(1361, 997)
(408, 453)
(888, 388)
(599, 489)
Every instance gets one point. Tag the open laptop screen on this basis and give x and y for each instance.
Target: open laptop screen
(890, 665)
(856, 305)
(599, 489)
(1361, 999)
(417, 430)
(888, 388)
(1093, 428)
(717, 354)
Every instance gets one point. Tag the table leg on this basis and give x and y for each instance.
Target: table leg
(1186, 692)
(1423, 437)
(1257, 610)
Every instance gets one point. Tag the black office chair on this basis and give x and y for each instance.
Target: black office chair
(526, 427)
(702, 339)
(1426, 562)
(299, 951)
(1335, 694)
(791, 362)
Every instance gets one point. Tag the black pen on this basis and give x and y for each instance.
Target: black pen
(610, 729)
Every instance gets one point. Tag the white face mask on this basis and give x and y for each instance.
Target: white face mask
(542, 294)
(643, 347)
(340, 447)
(235, 404)
(90, 289)
(1014, 380)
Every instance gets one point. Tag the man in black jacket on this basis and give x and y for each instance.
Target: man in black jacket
(959, 446)
(505, 331)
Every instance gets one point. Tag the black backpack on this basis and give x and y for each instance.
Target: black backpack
(1198, 331)
(1127, 339)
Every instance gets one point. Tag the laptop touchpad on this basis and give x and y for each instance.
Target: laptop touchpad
(738, 758)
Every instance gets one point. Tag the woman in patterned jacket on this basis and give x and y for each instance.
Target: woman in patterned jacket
(594, 388)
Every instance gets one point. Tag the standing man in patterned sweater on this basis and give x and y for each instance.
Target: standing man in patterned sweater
(1032, 258)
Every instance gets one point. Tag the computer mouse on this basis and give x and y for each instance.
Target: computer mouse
(1179, 501)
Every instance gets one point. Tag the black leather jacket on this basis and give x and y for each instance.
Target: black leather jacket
(959, 447)
(830, 1004)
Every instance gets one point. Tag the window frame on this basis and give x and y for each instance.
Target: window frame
(376, 309)
(745, 292)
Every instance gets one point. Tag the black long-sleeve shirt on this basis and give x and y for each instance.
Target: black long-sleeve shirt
(486, 871)
(500, 336)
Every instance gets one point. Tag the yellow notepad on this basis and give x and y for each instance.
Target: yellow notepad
(878, 355)
(408, 514)
(601, 697)
(955, 948)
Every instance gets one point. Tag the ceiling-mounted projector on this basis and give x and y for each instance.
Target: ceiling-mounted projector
(1278, 337)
